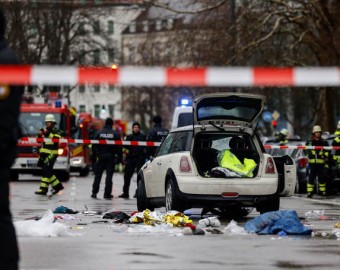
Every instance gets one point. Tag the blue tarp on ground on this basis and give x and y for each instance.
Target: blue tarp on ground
(277, 221)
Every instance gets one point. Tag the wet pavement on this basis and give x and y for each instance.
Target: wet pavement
(101, 244)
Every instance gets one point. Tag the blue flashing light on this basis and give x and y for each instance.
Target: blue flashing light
(58, 104)
(184, 102)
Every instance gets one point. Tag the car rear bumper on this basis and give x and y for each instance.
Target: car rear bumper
(253, 187)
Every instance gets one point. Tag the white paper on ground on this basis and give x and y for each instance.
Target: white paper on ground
(42, 227)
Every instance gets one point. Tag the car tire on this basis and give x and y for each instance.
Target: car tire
(143, 202)
(171, 200)
(270, 205)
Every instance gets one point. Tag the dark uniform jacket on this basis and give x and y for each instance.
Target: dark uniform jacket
(107, 133)
(317, 156)
(10, 100)
(156, 134)
(136, 151)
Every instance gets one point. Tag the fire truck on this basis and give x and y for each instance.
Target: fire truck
(81, 153)
(32, 118)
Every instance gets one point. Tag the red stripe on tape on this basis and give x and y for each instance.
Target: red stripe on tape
(97, 75)
(273, 76)
(16, 75)
(186, 76)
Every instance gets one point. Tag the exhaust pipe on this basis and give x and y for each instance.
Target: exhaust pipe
(256, 200)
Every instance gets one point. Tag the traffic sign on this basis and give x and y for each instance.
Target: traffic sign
(267, 116)
(276, 115)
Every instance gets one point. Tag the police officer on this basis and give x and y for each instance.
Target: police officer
(135, 158)
(10, 100)
(156, 134)
(104, 157)
(317, 163)
(48, 156)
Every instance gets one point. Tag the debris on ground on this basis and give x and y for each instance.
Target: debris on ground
(45, 226)
(276, 221)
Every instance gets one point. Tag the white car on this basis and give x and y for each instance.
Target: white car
(192, 167)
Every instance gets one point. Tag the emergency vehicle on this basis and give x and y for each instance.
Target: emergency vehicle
(81, 153)
(32, 118)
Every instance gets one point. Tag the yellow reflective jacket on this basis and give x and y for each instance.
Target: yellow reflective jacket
(51, 147)
(230, 161)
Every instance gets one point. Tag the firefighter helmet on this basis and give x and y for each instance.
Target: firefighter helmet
(49, 118)
(316, 129)
(284, 132)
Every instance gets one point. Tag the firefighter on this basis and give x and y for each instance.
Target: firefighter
(135, 158)
(336, 142)
(48, 156)
(281, 137)
(156, 134)
(104, 159)
(317, 163)
(10, 100)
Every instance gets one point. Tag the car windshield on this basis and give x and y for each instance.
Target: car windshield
(185, 119)
(31, 122)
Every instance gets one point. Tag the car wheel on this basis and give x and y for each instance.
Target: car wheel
(143, 202)
(268, 206)
(171, 200)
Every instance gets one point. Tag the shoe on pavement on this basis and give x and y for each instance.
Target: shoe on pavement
(309, 195)
(109, 197)
(94, 196)
(41, 192)
(135, 196)
(124, 196)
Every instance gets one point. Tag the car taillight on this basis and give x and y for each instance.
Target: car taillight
(184, 165)
(303, 162)
(270, 167)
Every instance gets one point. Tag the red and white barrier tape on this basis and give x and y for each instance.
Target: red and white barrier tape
(27, 140)
(167, 76)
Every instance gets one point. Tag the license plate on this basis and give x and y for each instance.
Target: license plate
(32, 163)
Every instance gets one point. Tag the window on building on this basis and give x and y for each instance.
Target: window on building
(110, 27)
(96, 27)
(145, 26)
(81, 89)
(82, 108)
(111, 110)
(97, 88)
(111, 88)
(158, 25)
(170, 23)
(96, 57)
(132, 27)
(97, 110)
(111, 55)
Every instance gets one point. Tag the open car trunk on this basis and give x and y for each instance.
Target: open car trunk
(213, 150)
